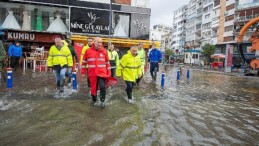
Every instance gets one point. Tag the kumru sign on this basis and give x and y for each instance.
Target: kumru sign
(20, 36)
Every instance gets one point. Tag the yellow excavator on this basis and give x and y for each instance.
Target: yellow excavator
(251, 66)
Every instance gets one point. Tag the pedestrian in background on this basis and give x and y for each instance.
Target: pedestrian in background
(154, 58)
(142, 56)
(114, 59)
(15, 53)
(96, 57)
(130, 70)
(60, 59)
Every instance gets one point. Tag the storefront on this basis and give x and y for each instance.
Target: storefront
(30, 40)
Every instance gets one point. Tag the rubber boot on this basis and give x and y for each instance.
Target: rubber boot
(94, 98)
(58, 85)
(129, 94)
(102, 105)
(62, 86)
(69, 80)
(130, 97)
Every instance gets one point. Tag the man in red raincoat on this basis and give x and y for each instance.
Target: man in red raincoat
(98, 71)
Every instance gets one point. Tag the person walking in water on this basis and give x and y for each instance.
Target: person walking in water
(59, 59)
(67, 42)
(130, 70)
(96, 57)
(15, 53)
(154, 58)
(89, 44)
(114, 59)
(142, 56)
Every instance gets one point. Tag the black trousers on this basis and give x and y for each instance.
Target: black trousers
(129, 88)
(113, 71)
(101, 85)
(14, 62)
(154, 67)
(139, 79)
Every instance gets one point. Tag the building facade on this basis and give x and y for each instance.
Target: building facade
(179, 29)
(130, 20)
(162, 34)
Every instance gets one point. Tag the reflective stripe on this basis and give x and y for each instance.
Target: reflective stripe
(129, 67)
(101, 65)
(84, 61)
(91, 59)
(101, 59)
(113, 67)
(83, 67)
(132, 67)
(59, 55)
(93, 66)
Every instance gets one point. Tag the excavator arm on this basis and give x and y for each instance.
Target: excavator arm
(240, 40)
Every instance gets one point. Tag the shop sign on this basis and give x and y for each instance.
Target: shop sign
(21, 36)
(31, 36)
(89, 21)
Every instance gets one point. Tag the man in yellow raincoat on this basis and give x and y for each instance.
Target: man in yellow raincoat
(130, 70)
(59, 59)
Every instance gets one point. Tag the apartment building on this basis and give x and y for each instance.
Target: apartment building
(244, 12)
(166, 41)
(179, 34)
(215, 22)
(206, 21)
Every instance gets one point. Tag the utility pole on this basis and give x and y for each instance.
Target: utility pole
(110, 23)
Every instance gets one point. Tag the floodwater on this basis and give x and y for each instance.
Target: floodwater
(208, 109)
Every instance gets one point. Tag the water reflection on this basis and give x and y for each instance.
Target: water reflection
(207, 109)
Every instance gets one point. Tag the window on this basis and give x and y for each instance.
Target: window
(121, 24)
(207, 16)
(229, 18)
(229, 28)
(195, 56)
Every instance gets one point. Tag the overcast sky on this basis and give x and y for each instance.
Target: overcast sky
(162, 11)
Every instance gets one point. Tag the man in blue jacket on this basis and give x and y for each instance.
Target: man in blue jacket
(15, 53)
(154, 58)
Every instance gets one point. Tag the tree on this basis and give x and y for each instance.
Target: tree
(168, 53)
(208, 50)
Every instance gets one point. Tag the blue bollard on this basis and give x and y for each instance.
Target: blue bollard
(178, 74)
(9, 84)
(188, 73)
(163, 81)
(74, 82)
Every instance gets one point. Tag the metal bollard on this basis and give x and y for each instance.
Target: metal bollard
(74, 82)
(163, 81)
(178, 75)
(9, 84)
(188, 73)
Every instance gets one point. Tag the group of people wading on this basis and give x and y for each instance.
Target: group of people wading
(101, 65)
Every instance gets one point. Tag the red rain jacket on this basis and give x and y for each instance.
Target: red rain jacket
(98, 66)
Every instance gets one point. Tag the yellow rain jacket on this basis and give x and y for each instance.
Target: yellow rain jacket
(142, 56)
(60, 57)
(82, 55)
(114, 58)
(129, 67)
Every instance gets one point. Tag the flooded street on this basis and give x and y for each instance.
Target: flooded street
(208, 109)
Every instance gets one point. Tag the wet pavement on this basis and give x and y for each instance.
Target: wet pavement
(210, 108)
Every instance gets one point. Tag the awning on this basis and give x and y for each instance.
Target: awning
(217, 56)
(118, 42)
